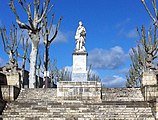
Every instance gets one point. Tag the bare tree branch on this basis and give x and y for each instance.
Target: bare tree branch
(10, 43)
(3, 40)
(44, 12)
(36, 23)
(21, 24)
(150, 14)
(56, 31)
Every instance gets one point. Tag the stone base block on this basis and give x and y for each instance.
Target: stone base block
(13, 79)
(9, 93)
(149, 78)
(77, 77)
(150, 92)
(79, 69)
(89, 91)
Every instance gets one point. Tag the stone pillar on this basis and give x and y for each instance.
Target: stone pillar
(149, 85)
(79, 70)
(149, 90)
(13, 79)
(149, 78)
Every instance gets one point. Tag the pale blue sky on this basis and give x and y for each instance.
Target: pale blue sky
(111, 33)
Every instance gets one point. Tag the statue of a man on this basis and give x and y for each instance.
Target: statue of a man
(80, 38)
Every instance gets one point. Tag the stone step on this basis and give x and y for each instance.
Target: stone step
(89, 107)
(122, 94)
(84, 117)
(104, 104)
(42, 104)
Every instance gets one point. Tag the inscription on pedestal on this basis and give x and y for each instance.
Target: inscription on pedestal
(79, 72)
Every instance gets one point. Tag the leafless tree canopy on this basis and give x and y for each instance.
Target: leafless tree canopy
(10, 43)
(37, 19)
(153, 14)
(49, 35)
(143, 56)
(34, 18)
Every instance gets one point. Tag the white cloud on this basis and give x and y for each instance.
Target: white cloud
(123, 23)
(123, 29)
(132, 33)
(61, 37)
(107, 59)
(114, 81)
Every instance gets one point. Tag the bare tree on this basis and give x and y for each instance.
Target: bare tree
(35, 25)
(149, 43)
(138, 65)
(143, 57)
(53, 72)
(39, 70)
(88, 73)
(92, 76)
(11, 44)
(153, 16)
(65, 75)
(25, 47)
(138, 59)
(133, 78)
(95, 77)
(48, 35)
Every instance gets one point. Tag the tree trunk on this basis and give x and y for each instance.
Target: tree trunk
(23, 73)
(46, 60)
(33, 57)
(46, 57)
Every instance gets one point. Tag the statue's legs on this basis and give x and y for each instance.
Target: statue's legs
(82, 42)
(83, 48)
(77, 45)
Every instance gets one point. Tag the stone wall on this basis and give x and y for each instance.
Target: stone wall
(122, 94)
(9, 93)
(89, 91)
(150, 92)
(13, 79)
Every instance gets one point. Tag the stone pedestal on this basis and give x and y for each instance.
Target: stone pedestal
(13, 79)
(79, 71)
(149, 78)
(69, 91)
(149, 92)
(149, 85)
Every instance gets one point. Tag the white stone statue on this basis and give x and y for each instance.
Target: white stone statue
(80, 38)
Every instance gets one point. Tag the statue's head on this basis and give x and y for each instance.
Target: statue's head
(80, 23)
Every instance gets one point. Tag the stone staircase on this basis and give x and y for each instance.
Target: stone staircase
(42, 104)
